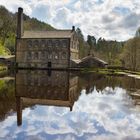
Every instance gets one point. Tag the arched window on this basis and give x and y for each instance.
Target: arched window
(57, 43)
(49, 43)
(36, 43)
(55, 55)
(46, 55)
(36, 55)
(64, 55)
(43, 43)
(43, 55)
(49, 56)
(29, 43)
(29, 55)
(64, 43)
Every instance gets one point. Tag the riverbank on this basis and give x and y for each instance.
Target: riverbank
(104, 71)
(113, 72)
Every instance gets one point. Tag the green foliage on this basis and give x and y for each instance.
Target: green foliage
(8, 22)
(131, 54)
(91, 40)
(34, 24)
(10, 43)
(137, 33)
(3, 50)
(83, 46)
(109, 51)
(6, 88)
(81, 42)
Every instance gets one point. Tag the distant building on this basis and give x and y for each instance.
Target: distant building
(91, 61)
(45, 49)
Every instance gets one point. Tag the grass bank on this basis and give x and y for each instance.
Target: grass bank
(106, 71)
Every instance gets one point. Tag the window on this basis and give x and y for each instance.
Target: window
(36, 43)
(29, 55)
(36, 55)
(29, 43)
(64, 55)
(64, 43)
(43, 43)
(42, 54)
(49, 43)
(57, 43)
(49, 56)
(46, 55)
(55, 55)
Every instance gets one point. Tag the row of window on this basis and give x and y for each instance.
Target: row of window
(49, 93)
(46, 81)
(46, 55)
(47, 43)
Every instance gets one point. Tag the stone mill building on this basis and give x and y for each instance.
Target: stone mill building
(45, 49)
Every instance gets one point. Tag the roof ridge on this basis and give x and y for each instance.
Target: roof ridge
(47, 34)
(45, 30)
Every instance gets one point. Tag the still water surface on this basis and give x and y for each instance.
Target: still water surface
(57, 105)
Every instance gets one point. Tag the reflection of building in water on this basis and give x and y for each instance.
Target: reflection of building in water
(37, 87)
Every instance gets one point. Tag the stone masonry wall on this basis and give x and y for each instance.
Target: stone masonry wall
(39, 52)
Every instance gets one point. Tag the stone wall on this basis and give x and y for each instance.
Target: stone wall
(74, 47)
(39, 53)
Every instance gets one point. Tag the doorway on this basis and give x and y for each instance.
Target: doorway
(49, 64)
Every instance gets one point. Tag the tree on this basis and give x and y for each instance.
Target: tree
(91, 40)
(131, 54)
(6, 24)
(82, 48)
(137, 34)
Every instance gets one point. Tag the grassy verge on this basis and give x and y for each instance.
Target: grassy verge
(106, 71)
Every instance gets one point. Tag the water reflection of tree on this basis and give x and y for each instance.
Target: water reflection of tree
(89, 81)
(7, 97)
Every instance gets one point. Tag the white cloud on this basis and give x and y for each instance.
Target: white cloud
(13, 5)
(109, 114)
(111, 19)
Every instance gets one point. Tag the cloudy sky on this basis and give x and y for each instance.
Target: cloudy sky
(111, 19)
(104, 119)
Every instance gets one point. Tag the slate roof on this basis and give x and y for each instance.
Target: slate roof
(90, 57)
(48, 34)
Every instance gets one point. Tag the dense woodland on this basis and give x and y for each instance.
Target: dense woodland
(123, 54)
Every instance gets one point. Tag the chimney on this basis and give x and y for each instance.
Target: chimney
(73, 28)
(20, 23)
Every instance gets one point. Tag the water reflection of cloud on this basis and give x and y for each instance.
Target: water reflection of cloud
(107, 115)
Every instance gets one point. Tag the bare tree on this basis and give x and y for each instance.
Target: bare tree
(131, 54)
